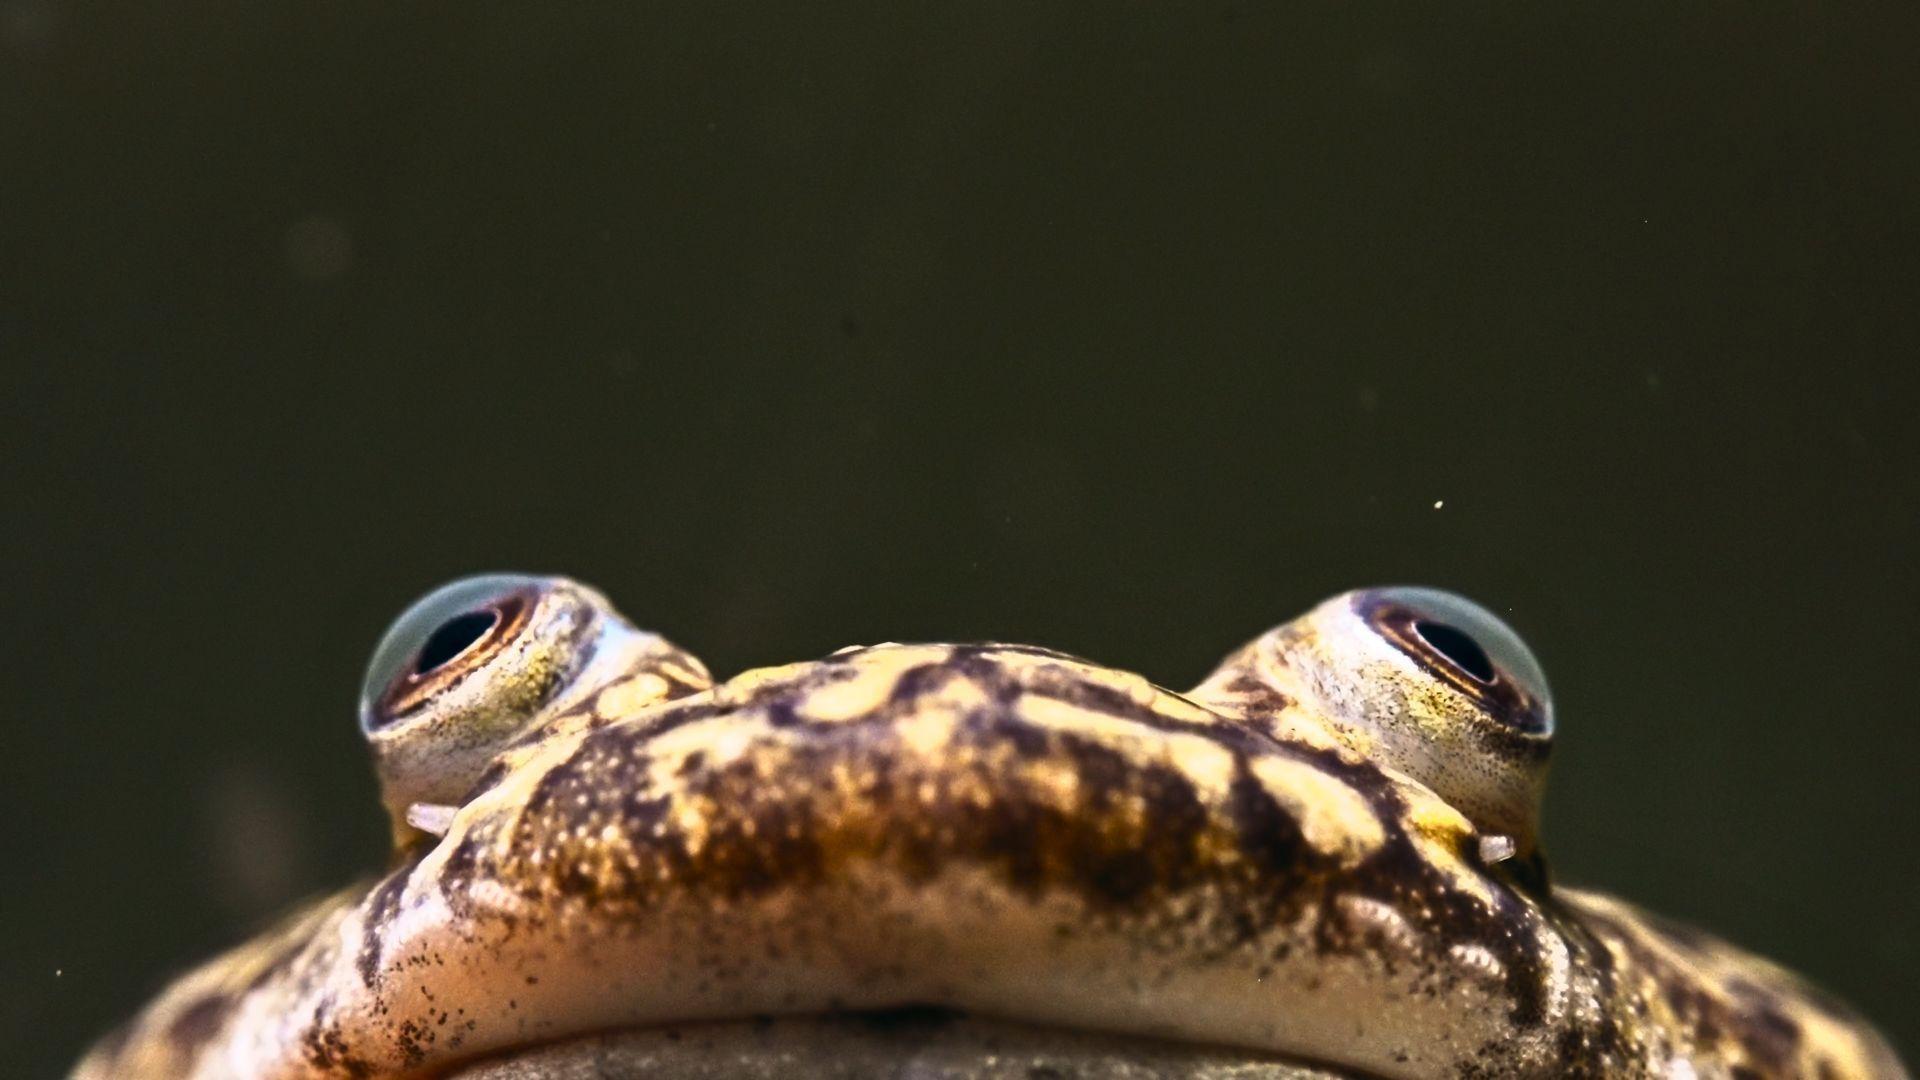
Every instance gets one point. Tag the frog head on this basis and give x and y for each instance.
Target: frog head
(972, 860)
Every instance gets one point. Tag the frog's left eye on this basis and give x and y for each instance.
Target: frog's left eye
(1467, 646)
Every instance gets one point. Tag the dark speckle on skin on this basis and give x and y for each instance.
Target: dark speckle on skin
(381, 906)
(325, 1048)
(782, 714)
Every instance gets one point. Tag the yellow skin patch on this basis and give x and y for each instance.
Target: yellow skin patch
(1333, 817)
(999, 830)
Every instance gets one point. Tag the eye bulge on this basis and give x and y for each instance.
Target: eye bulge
(471, 616)
(1468, 646)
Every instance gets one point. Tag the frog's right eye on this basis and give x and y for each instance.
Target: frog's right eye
(474, 666)
(447, 636)
(471, 666)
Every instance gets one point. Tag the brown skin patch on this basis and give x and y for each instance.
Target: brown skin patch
(381, 906)
(1256, 695)
(1741, 1012)
(199, 1022)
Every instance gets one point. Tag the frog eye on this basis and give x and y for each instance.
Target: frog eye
(446, 636)
(1426, 683)
(1466, 645)
(476, 666)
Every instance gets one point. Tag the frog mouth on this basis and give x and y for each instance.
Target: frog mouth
(922, 1043)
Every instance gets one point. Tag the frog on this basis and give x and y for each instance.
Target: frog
(971, 860)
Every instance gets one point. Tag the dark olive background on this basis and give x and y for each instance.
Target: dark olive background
(1126, 331)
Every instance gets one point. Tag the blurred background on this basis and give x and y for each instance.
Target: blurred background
(1129, 332)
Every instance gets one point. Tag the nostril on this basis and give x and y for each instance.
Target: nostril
(454, 637)
(1456, 645)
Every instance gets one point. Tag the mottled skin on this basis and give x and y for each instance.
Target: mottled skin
(1010, 834)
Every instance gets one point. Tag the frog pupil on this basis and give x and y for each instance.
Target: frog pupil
(1459, 647)
(453, 637)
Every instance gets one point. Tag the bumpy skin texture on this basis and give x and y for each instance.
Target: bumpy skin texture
(999, 830)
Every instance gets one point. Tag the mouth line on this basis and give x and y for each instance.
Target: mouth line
(923, 1042)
